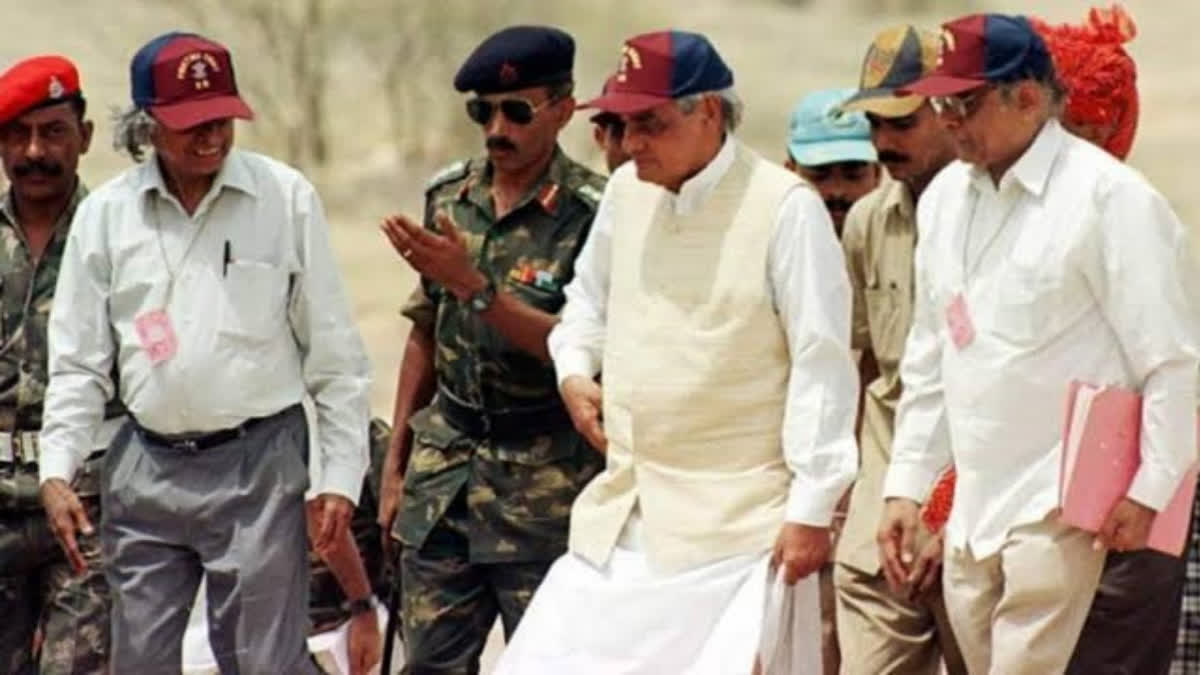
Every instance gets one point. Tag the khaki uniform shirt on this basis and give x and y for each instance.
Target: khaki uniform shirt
(879, 238)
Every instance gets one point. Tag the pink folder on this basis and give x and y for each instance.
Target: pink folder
(1100, 458)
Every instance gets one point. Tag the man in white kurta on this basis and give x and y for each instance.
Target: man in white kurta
(711, 296)
(1041, 260)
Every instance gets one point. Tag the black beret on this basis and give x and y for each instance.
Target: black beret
(516, 58)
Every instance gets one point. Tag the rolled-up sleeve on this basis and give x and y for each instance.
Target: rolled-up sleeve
(576, 343)
(81, 348)
(809, 285)
(1142, 269)
(335, 366)
(921, 447)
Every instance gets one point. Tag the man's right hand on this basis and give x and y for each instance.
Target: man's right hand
(584, 402)
(897, 538)
(67, 518)
(391, 494)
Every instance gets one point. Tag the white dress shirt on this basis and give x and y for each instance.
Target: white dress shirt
(254, 334)
(807, 280)
(1073, 268)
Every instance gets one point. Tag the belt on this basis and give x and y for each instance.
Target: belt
(199, 441)
(511, 424)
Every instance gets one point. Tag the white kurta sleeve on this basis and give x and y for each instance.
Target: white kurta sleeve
(576, 343)
(808, 282)
(1142, 268)
(921, 446)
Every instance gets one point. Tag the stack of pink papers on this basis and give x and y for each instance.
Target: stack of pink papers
(1101, 455)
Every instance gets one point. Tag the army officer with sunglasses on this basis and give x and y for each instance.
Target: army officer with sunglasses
(484, 463)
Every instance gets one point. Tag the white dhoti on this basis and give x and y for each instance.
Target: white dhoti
(625, 619)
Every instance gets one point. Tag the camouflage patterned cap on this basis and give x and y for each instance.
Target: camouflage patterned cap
(899, 56)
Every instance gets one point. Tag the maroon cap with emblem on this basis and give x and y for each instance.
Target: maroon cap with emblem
(185, 80)
(659, 67)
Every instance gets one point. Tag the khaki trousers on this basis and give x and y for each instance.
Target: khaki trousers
(882, 634)
(1020, 611)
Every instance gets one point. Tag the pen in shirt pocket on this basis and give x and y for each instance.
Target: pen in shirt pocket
(228, 259)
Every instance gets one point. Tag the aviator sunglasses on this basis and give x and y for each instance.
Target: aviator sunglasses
(516, 110)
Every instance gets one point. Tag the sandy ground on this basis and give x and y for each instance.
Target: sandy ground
(777, 50)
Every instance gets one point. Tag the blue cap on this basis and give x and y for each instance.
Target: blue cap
(518, 57)
(820, 132)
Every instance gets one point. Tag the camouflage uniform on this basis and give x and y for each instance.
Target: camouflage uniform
(38, 590)
(495, 463)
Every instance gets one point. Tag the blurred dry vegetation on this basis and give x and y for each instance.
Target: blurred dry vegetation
(358, 92)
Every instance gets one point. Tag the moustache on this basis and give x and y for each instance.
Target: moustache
(48, 169)
(499, 143)
(838, 204)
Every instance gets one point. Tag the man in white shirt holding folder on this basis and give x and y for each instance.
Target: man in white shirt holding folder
(1041, 260)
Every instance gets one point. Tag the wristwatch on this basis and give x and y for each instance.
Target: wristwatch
(480, 300)
(359, 606)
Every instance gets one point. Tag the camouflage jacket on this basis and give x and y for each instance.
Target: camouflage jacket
(519, 490)
(26, 292)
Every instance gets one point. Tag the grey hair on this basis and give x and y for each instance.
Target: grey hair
(1056, 91)
(132, 129)
(731, 106)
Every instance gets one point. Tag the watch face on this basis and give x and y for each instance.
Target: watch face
(482, 299)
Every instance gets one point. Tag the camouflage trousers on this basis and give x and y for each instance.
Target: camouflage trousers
(450, 603)
(40, 595)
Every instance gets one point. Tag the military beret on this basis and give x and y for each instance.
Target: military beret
(36, 82)
(516, 58)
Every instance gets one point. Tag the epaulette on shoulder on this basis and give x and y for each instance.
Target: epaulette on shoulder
(456, 171)
(590, 193)
(587, 185)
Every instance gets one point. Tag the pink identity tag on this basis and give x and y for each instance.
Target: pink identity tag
(157, 335)
(958, 320)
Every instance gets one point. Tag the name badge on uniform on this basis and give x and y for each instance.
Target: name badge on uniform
(958, 320)
(156, 335)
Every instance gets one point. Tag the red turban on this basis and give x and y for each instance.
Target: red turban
(1100, 76)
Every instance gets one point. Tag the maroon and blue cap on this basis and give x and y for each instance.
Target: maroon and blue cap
(659, 67)
(979, 49)
(184, 79)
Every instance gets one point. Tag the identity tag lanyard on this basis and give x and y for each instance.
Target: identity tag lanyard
(959, 323)
(172, 272)
(155, 331)
(968, 270)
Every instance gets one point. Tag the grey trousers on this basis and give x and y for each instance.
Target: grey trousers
(235, 513)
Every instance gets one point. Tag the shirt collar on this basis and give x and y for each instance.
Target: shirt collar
(547, 191)
(898, 200)
(696, 189)
(234, 174)
(1032, 170)
(8, 211)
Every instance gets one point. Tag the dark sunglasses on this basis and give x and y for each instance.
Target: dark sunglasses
(516, 110)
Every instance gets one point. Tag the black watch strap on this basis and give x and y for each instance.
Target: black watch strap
(359, 606)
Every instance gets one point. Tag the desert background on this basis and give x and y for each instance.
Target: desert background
(358, 92)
